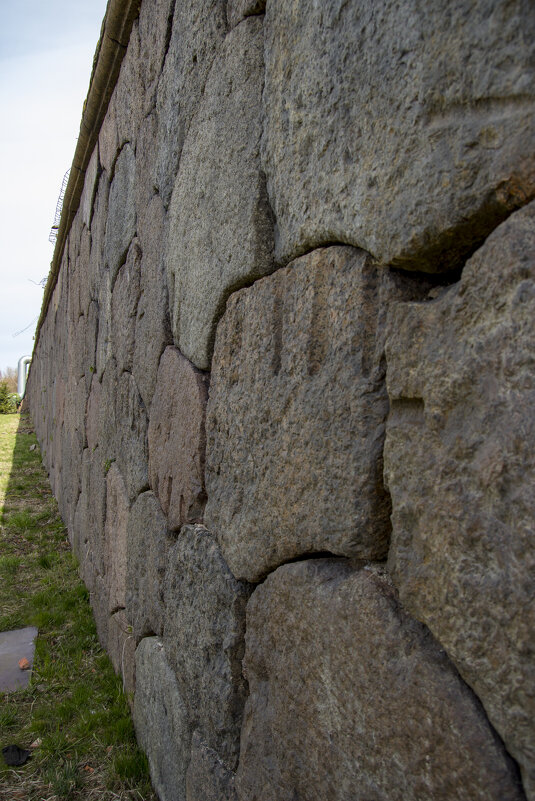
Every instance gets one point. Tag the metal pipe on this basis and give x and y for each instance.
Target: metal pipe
(22, 375)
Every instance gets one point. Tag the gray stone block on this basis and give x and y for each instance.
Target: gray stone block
(121, 218)
(176, 439)
(407, 131)
(351, 698)
(161, 721)
(198, 29)
(124, 302)
(153, 327)
(115, 538)
(296, 415)
(220, 223)
(207, 778)
(460, 465)
(147, 546)
(203, 636)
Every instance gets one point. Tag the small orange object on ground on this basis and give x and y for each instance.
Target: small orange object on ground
(24, 664)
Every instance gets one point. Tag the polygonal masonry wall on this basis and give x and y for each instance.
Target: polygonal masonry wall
(240, 364)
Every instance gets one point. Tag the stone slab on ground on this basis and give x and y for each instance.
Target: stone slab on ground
(15, 645)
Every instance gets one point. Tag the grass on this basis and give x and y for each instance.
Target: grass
(74, 716)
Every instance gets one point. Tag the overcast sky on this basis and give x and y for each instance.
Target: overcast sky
(46, 56)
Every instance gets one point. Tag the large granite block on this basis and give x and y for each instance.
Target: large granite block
(121, 218)
(147, 546)
(460, 465)
(407, 130)
(124, 302)
(203, 635)
(220, 224)
(296, 415)
(161, 721)
(115, 538)
(197, 31)
(352, 699)
(207, 778)
(153, 326)
(176, 439)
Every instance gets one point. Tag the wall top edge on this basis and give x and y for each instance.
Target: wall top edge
(111, 48)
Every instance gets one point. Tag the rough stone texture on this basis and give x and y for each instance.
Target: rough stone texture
(124, 302)
(153, 326)
(130, 440)
(207, 778)
(122, 649)
(238, 10)
(406, 131)
(121, 219)
(161, 721)
(295, 424)
(115, 540)
(197, 32)
(108, 138)
(460, 465)
(176, 439)
(203, 635)
(220, 224)
(351, 698)
(90, 188)
(154, 23)
(147, 547)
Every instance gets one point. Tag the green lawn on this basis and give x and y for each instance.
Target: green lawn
(74, 712)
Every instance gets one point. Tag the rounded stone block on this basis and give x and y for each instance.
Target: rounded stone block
(220, 223)
(176, 439)
(405, 129)
(296, 415)
(460, 465)
(352, 699)
(203, 636)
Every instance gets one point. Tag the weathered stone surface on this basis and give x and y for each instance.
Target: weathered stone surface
(98, 598)
(161, 721)
(238, 10)
(153, 327)
(459, 461)
(108, 138)
(154, 21)
(197, 32)
(93, 414)
(124, 300)
(296, 415)
(103, 350)
(130, 91)
(203, 635)
(98, 236)
(121, 219)
(351, 698)
(176, 439)
(122, 649)
(90, 188)
(147, 547)
(207, 778)
(115, 530)
(220, 224)
(410, 133)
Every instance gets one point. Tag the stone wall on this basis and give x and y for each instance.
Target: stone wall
(284, 386)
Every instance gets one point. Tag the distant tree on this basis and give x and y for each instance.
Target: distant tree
(10, 377)
(8, 403)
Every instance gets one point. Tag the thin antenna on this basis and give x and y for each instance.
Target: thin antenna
(16, 334)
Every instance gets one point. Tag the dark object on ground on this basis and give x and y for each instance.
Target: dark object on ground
(14, 755)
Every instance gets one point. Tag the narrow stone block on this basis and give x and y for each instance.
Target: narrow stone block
(176, 439)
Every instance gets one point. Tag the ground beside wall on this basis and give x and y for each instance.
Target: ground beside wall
(284, 387)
